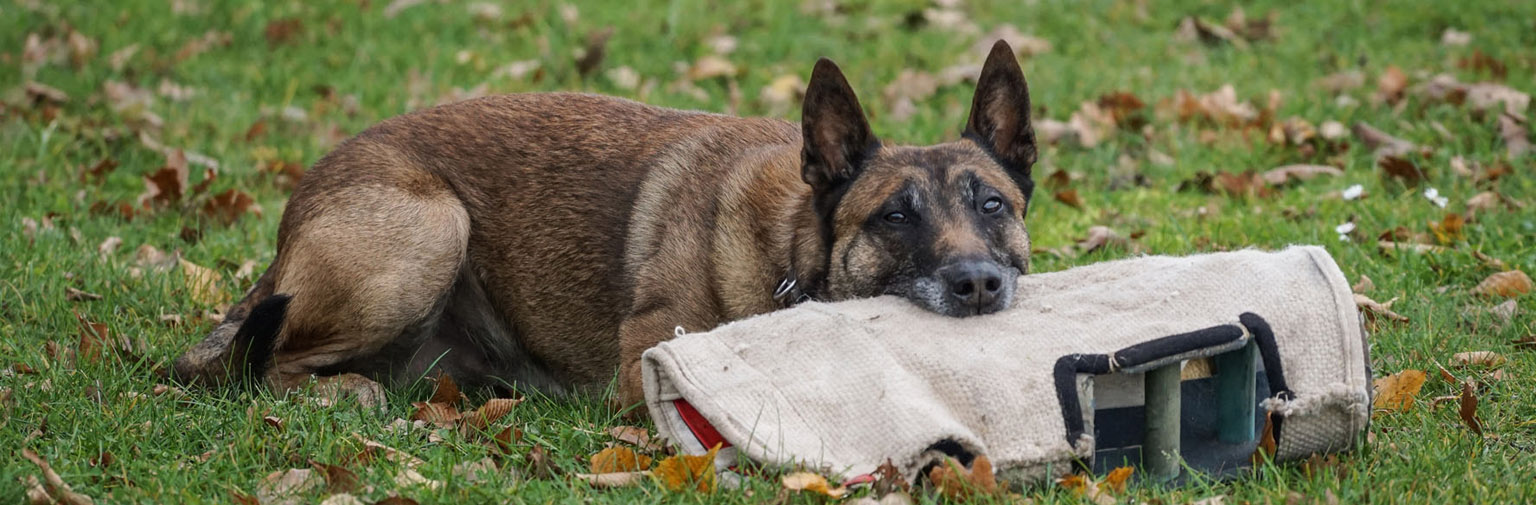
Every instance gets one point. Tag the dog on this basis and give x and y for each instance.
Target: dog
(546, 240)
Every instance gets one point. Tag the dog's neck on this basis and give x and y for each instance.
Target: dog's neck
(805, 269)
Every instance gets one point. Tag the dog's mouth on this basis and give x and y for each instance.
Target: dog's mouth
(971, 295)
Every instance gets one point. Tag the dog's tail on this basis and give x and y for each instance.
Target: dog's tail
(254, 343)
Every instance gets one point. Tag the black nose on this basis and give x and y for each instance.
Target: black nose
(974, 285)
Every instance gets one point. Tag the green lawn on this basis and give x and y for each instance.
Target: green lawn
(255, 84)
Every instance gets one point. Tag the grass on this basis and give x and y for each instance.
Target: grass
(384, 66)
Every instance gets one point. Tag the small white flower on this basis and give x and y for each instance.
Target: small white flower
(1344, 229)
(1434, 196)
(1354, 192)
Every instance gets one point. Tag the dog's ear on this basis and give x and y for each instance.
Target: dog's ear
(836, 135)
(1000, 112)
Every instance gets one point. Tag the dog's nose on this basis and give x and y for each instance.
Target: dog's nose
(974, 285)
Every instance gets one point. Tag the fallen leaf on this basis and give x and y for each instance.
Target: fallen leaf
(1100, 237)
(396, 500)
(1487, 359)
(1469, 408)
(1479, 61)
(283, 31)
(1517, 139)
(95, 341)
(75, 295)
(1449, 229)
(1342, 81)
(338, 479)
(683, 472)
(372, 449)
(287, 483)
(956, 482)
(1508, 284)
(441, 415)
(634, 435)
(342, 499)
(202, 283)
(618, 459)
(1454, 37)
(228, 206)
(446, 392)
(540, 464)
(1395, 393)
(168, 184)
(592, 55)
(1284, 174)
(1374, 309)
(53, 487)
(811, 482)
(783, 93)
(1381, 143)
(1117, 478)
(711, 66)
(275, 422)
(612, 480)
(1391, 85)
(475, 471)
(493, 410)
(409, 477)
(889, 480)
(1070, 198)
(1363, 285)
(1192, 29)
(1402, 169)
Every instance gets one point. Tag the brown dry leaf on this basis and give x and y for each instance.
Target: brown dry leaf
(889, 480)
(342, 499)
(1517, 139)
(1363, 285)
(1246, 184)
(1395, 393)
(441, 415)
(39, 93)
(283, 31)
(1469, 408)
(634, 435)
(1391, 85)
(409, 477)
(1487, 359)
(1117, 478)
(1374, 309)
(783, 93)
(711, 66)
(683, 472)
(1267, 445)
(95, 341)
(396, 500)
(228, 206)
(592, 55)
(539, 463)
(1381, 143)
(483, 417)
(447, 391)
(1091, 124)
(53, 486)
(1101, 237)
(1507, 284)
(612, 480)
(1284, 174)
(505, 438)
(1449, 229)
(202, 283)
(75, 295)
(372, 449)
(1220, 107)
(1070, 198)
(1402, 169)
(956, 482)
(1193, 29)
(1124, 106)
(338, 479)
(275, 422)
(286, 484)
(475, 471)
(618, 459)
(168, 184)
(811, 482)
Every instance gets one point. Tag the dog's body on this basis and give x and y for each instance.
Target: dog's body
(548, 239)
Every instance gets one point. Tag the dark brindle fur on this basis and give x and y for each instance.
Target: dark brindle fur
(549, 239)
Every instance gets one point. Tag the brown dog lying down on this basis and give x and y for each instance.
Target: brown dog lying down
(547, 240)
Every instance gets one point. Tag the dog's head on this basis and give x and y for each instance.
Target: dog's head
(941, 225)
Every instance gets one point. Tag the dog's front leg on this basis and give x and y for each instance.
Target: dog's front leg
(643, 329)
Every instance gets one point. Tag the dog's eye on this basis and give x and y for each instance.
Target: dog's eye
(896, 217)
(992, 205)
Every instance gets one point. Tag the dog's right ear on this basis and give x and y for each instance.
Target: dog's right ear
(836, 135)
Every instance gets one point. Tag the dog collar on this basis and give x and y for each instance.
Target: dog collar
(788, 293)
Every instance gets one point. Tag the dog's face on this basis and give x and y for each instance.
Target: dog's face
(941, 225)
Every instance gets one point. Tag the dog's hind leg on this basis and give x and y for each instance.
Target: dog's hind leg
(368, 267)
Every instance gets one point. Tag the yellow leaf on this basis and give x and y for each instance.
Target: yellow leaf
(807, 481)
(1394, 393)
(619, 459)
(1118, 477)
(202, 283)
(683, 472)
(956, 482)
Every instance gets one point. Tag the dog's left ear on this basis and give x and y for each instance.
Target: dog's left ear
(1000, 112)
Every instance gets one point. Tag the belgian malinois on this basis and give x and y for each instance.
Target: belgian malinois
(548, 240)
